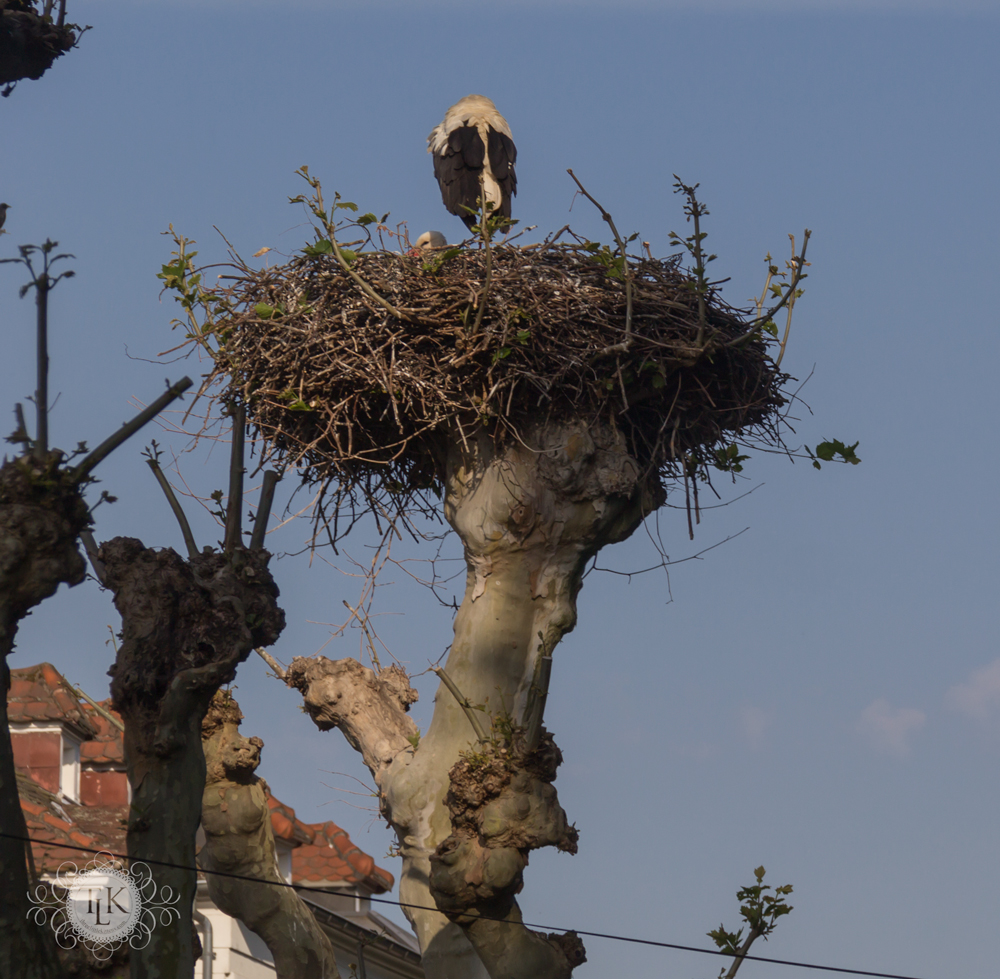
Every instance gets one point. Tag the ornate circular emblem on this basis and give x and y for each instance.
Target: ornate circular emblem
(103, 905)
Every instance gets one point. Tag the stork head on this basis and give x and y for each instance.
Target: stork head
(432, 239)
(428, 241)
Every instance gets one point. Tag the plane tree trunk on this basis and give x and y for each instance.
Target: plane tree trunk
(468, 810)
(41, 515)
(29, 42)
(239, 840)
(186, 625)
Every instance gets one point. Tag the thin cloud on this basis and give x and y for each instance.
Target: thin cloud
(755, 723)
(979, 695)
(888, 728)
(695, 751)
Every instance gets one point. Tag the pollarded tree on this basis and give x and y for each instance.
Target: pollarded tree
(187, 623)
(546, 394)
(43, 516)
(33, 33)
(239, 853)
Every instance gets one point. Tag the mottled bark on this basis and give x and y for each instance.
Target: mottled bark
(502, 805)
(370, 709)
(186, 625)
(239, 840)
(530, 516)
(29, 43)
(41, 514)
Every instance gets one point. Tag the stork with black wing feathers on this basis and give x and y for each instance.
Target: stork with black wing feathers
(473, 143)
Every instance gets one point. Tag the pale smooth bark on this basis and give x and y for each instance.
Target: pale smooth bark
(239, 840)
(530, 516)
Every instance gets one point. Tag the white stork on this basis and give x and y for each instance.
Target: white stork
(474, 140)
(431, 239)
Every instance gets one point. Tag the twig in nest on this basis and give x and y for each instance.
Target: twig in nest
(626, 271)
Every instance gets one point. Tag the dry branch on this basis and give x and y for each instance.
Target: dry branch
(370, 709)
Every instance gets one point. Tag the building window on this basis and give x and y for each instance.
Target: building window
(283, 857)
(69, 776)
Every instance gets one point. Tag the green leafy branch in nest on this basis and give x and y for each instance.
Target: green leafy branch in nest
(206, 310)
(760, 911)
(623, 270)
(793, 268)
(490, 224)
(786, 295)
(358, 364)
(344, 257)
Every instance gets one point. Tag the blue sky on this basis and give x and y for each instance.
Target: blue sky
(821, 694)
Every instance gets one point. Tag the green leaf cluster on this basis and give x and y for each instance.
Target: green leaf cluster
(829, 450)
(295, 403)
(728, 459)
(521, 337)
(434, 264)
(204, 307)
(603, 255)
(760, 911)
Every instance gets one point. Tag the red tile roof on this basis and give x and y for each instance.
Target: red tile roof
(107, 747)
(40, 693)
(333, 859)
(51, 822)
(323, 853)
(285, 825)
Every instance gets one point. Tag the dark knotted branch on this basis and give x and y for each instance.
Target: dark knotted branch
(186, 625)
(31, 40)
(42, 515)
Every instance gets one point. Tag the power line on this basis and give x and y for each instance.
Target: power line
(424, 907)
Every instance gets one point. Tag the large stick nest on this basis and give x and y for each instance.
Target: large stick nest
(362, 400)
